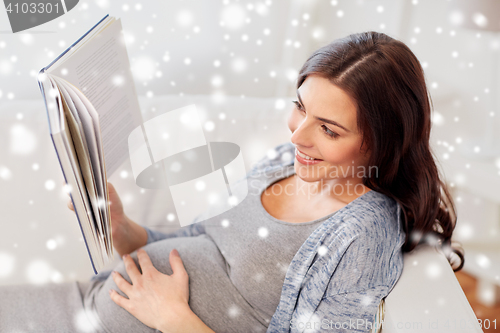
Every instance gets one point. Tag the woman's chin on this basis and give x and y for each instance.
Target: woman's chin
(306, 173)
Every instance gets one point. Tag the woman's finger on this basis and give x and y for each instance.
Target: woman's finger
(122, 284)
(144, 260)
(176, 263)
(70, 205)
(131, 268)
(119, 299)
(111, 188)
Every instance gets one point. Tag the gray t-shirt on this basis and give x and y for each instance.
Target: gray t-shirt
(256, 248)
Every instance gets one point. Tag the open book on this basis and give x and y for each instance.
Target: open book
(92, 107)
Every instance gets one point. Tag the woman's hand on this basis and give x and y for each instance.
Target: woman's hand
(158, 300)
(127, 235)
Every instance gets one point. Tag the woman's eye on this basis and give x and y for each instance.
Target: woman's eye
(297, 104)
(328, 132)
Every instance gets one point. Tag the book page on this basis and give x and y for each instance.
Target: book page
(90, 124)
(90, 34)
(86, 125)
(65, 149)
(101, 71)
(83, 163)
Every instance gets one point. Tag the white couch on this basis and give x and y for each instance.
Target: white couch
(428, 298)
(41, 242)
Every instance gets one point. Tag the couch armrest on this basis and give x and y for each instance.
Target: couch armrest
(428, 297)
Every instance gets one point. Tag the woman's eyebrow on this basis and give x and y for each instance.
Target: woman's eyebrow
(323, 119)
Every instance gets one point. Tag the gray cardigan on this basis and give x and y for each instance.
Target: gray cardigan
(343, 270)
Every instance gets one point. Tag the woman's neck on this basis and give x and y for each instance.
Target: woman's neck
(344, 189)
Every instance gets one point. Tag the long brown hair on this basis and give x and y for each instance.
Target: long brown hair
(386, 80)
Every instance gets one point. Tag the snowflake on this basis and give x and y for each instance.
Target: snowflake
(286, 157)
(239, 65)
(272, 154)
(456, 17)
(5, 67)
(7, 263)
(27, 39)
(86, 321)
(480, 20)
(261, 9)
(144, 68)
(209, 126)
(263, 232)
(217, 81)
(200, 185)
(56, 277)
(259, 277)
(367, 300)
(118, 80)
(50, 185)
(483, 261)
(279, 104)
(38, 272)
(234, 311)
(5, 173)
(433, 270)
(322, 250)
(51, 244)
(185, 18)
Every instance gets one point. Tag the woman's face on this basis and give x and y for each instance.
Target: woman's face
(323, 124)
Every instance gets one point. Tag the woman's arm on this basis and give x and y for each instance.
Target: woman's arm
(129, 236)
(158, 300)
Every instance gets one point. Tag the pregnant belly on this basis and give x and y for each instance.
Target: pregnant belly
(213, 297)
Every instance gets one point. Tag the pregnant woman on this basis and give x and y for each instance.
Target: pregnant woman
(317, 243)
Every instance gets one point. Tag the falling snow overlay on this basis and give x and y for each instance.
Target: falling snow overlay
(239, 60)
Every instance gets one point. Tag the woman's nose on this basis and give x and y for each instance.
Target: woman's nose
(302, 135)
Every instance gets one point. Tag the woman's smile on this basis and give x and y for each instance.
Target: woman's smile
(305, 159)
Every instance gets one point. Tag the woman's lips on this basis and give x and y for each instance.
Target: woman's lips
(305, 155)
(304, 160)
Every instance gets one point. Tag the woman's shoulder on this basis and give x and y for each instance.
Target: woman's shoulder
(371, 237)
(375, 215)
